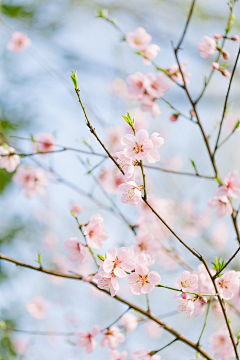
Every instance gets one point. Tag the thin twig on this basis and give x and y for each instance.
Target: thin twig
(186, 25)
(205, 322)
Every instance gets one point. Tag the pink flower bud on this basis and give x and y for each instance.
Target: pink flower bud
(225, 55)
(184, 296)
(217, 36)
(215, 66)
(192, 113)
(173, 117)
(204, 300)
(225, 72)
(235, 38)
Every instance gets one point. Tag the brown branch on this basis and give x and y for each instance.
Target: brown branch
(186, 25)
(179, 172)
(227, 263)
(120, 299)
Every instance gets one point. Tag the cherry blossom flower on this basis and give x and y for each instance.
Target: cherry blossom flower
(137, 146)
(126, 165)
(221, 204)
(148, 105)
(94, 232)
(144, 260)
(144, 355)
(113, 140)
(221, 344)
(205, 285)
(157, 141)
(112, 337)
(150, 52)
(188, 282)
(77, 208)
(232, 185)
(87, 340)
(129, 322)
(153, 329)
(131, 193)
(220, 234)
(8, 162)
(228, 284)
(142, 282)
(185, 304)
(119, 87)
(174, 72)
(207, 47)
(18, 42)
(116, 355)
(33, 180)
(145, 243)
(118, 262)
(77, 251)
(107, 281)
(44, 143)
(110, 179)
(155, 85)
(200, 306)
(136, 85)
(138, 39)
(38, 307)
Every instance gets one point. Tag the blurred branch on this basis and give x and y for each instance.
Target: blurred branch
(186, 25)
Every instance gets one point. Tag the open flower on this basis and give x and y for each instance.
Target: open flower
(157, 141)
(221, 344)
(33, 180)
(8, 162)
(138, 39)
(149, 105)
(107, 281)
(187, 282)
(207, 47)
(131, 193)
(126, 165)
(112, 337)
(18, 42)
(142, 282)
(94, 232)
(176, 75)
(221, 204)
(77, 251)
(87, 340)
(44, 143)
(129, 322)
(38, 307)
(155, 85)
(150, 52)
(228, 284)
(144, 355)
(118, 262)
(138, 146)
(136, 85)
(185, 304)
(232, 185)
(116, 355)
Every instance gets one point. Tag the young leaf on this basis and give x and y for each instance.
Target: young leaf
(74, 79)
(100, 257)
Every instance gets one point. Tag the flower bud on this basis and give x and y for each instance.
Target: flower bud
(204, 300)
(173, 117)
(217, 36)
(184, 296)
(225, 72)
(215, 66)
(192, 113)
(235, 38)
(225, 55)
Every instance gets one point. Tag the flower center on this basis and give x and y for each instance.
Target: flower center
(138, 148)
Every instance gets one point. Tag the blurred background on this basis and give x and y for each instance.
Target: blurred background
(37, 96)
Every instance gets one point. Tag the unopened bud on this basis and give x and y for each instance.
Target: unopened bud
(173, 117)
(235, 38)
(217, 36)
(215, 66)
(184, 296)
(225, 55)
(225, 72)
(192, 113)
(204, 300)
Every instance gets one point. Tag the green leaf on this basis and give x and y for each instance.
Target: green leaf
(229, 322)
(3, 325)
(74, 79)
(129, 120)
(100, 257)
(238, 336)
(194, 166)
(73, 213)
(218, 179)
(237, 125)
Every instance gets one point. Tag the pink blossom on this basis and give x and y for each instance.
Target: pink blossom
(155, 85)
(129, 322)
(87, 340)
(126, 165)
(94, 232)
(157, 141)
(8, 162)
(207, 47)
(145, 260)
(148, 105)
(107, 281)
(145, 243)
(150, 52)
(77, 251)
(118, 262)
(173, 117)
(174, 72)
(18, 42)
(221, 204)
(137, 146)
(228, 284)
(215, 66)
(131, 193)
(112, 337)
(185, 305)
(77, 208)
(188, 282)
(44, 143)
(200, 306)
(220, 234)
(138, 39)
(221, 344)
(116, 355)
(232, 185)
(153, 329)
(33, 180)
(142, 282)
(136, 85)
(114, 135)
(230, 120)
(144, 355)
(38, 307)
(119, 87)
(205, 285)
(110, 179)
